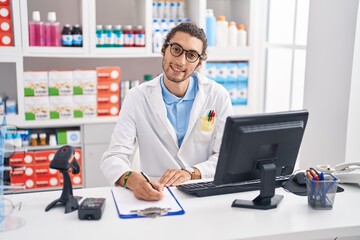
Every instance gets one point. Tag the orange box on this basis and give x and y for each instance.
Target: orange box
(23, 172)
(112, 98)
(76, 179)
(108, 86)
(4, 2)
(6, 39)
(28, 182)
(107, 109)
(21, 159)
(108, 74)
(47, 182)
(44, 156)
(5, 25)
(5, 12)
(78, 155)
(43, 170)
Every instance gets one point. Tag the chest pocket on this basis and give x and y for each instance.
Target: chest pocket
(204, 130)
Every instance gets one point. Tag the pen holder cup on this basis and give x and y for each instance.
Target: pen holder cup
(321, 194)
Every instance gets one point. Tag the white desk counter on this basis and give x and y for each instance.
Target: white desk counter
(204, 218)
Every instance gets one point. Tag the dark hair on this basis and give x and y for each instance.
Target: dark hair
(193, 30)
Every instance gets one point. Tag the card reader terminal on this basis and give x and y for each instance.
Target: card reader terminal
(91, 208)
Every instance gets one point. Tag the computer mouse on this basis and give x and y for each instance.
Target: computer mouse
(300, 178)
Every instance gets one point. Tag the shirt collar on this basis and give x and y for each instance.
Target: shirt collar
(170, 98)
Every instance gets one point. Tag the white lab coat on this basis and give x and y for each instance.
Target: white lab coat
(143, 121)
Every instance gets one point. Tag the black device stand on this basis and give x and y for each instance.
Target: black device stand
(66, 198)
(267, 198)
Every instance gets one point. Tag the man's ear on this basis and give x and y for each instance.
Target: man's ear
(199, 65)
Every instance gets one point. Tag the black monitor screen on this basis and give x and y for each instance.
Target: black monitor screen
(254, 142)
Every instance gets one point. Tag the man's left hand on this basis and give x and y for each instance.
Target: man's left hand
(173, 177)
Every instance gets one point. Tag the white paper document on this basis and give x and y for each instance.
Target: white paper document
(125, 202)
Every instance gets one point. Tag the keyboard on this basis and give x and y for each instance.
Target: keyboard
(204, 189)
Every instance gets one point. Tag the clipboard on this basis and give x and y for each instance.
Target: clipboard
(128, 206)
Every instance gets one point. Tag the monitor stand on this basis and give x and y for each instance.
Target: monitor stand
(267, 198)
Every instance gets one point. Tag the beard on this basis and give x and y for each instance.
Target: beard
(182, 76)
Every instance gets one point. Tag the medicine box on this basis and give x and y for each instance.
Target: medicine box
(61, 107)
(6, 39)
(68, 137)
(108, 74)
(85, 106)
(60, 83)
(5, 25)
(85, 82)
(36, 83)
(36, 108)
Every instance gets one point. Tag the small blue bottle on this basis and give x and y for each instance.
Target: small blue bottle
(210, 27)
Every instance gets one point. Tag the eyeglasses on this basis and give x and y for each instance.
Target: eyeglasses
(176, 50)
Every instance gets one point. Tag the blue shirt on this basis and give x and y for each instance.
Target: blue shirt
(179, 109)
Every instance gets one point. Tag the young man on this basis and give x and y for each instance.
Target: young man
(177, 120)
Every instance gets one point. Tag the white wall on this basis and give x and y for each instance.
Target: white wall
(328, 81)
(353, 131)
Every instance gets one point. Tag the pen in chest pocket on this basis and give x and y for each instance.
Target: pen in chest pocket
(211, 115)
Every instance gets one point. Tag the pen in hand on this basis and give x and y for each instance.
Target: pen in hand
(148, 180)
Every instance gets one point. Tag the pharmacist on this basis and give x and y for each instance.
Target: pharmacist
(177, 121)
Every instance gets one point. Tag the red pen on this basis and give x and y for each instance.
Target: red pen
(314, 174)
(212, 115)
(308, 174)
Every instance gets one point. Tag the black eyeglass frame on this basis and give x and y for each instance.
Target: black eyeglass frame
(199, 56)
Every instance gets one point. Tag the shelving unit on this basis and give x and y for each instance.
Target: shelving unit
(89, 13)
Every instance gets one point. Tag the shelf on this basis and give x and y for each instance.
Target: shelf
(39, 148)
(54, 52)
(20, 122)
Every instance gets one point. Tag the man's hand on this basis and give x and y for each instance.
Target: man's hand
(142, 189)
(173, 177)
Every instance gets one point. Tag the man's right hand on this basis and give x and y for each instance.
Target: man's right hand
(142, 189)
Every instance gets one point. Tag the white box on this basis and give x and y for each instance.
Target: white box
(60, 83)
(85, 106)
(36, 83)
(61, 107)
(85, 82)
(36, 108)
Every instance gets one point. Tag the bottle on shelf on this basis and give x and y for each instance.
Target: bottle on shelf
(160, 8)
(36, 31)
(180, 9)
(210, 27)
(100, 36)
(164, 33)
(171, 24)
(157, 41)
(66, 36)
(232, 34)
(164, 25)
(77, 39)
(139, 36)
(242, 35)
(119, 36)
(128, 36)
(173, 9)
(109, 36)
(154, 9)
(221, 32)
(155, 25)
(52, 31)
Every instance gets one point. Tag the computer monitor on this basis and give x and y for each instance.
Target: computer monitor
(260, 146)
